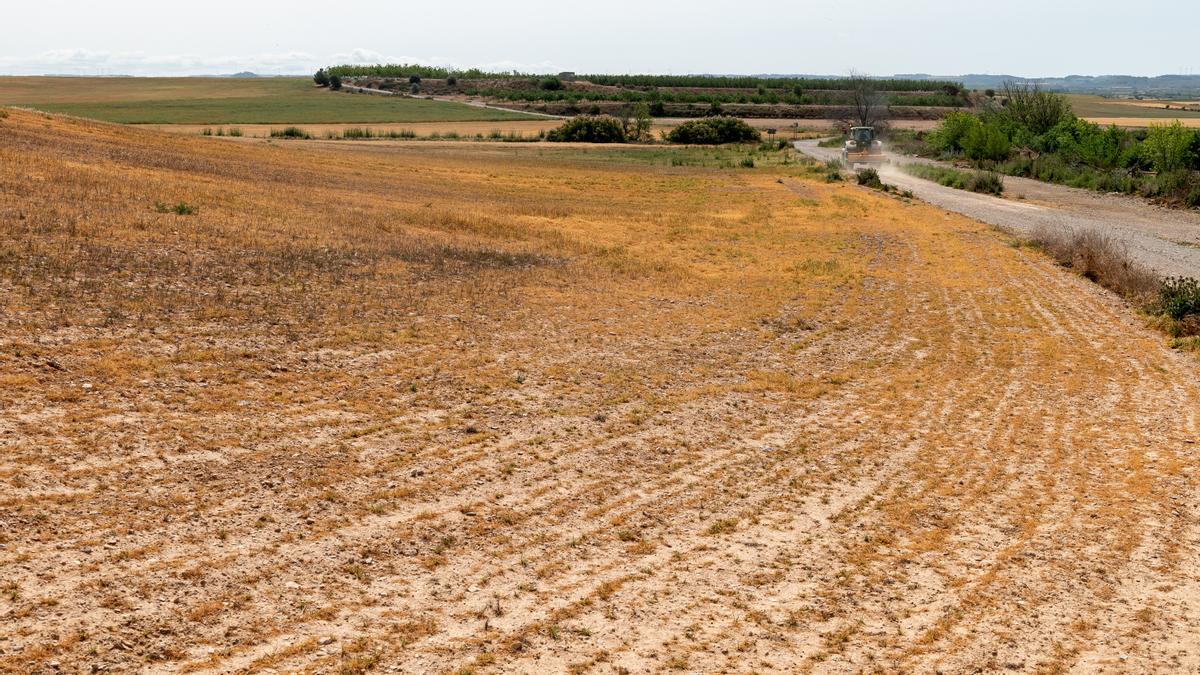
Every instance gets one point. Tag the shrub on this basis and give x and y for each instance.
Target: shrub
(290, 132)
(1030, 107)
(589, 129)
(714, 131)
(414, 79)
(953, 131)
(870, 178)
(1193, 198)
(321, 78)
(986, 142)
(235, 132)
(1180, 297)
(1167, 146)
(335, 82)
(452, 81)
(551, 84)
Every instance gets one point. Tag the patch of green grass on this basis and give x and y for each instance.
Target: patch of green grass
(228, 101)
(984, 182)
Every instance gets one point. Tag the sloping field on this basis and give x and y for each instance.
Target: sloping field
(207, 100)
(1124, 112)
(434, 408)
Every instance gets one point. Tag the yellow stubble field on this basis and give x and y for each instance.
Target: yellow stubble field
(423, 407)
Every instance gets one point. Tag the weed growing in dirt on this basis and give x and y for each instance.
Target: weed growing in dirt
(179, 209)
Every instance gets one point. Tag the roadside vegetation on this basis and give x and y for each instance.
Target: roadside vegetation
(985, 182)
(1033, 133)
(1173, 304)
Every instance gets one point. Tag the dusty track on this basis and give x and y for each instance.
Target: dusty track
(734, 420)
(1166, 240)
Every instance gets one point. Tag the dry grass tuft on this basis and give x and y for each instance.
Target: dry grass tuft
(1101, 258)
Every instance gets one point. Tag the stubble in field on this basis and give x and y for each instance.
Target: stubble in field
(516, 408)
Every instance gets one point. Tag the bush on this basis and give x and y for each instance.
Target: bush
(1180, 297)
(452, 81)
(714, 131)
(551, 84)
(589, 129)
(335, 82)
(1193, 198)
(951, 134)
(986, 142)
(870, 178)
(414, 79)
(290, 132)
(1030, 107)
(1168, 146)
(321, 78)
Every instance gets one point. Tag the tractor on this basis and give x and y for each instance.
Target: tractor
(862, 148)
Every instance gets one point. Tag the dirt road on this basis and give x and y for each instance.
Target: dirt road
(1166, 240)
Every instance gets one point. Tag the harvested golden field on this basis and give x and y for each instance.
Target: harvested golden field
(481, 408)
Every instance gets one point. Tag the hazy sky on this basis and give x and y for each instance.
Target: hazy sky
(1018, 37)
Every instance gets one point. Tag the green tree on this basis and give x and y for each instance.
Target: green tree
(321, 78)
(1167, 146)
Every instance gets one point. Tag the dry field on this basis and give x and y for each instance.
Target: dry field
(784, 128)
(481, 408)
(1140, 122)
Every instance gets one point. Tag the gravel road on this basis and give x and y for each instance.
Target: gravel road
(1165, 240)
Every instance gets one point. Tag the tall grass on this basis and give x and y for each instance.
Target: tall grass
(1101, 258)
(985, 182)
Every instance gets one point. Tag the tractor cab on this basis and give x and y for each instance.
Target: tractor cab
(862, 136)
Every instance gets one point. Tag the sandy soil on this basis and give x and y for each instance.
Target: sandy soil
(404, 408)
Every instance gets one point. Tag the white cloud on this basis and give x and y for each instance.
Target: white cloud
(88, 62)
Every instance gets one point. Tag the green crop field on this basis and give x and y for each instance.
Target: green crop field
(226, 101)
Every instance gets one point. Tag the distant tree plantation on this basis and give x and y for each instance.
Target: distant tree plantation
(667, 95)
(405, 70)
